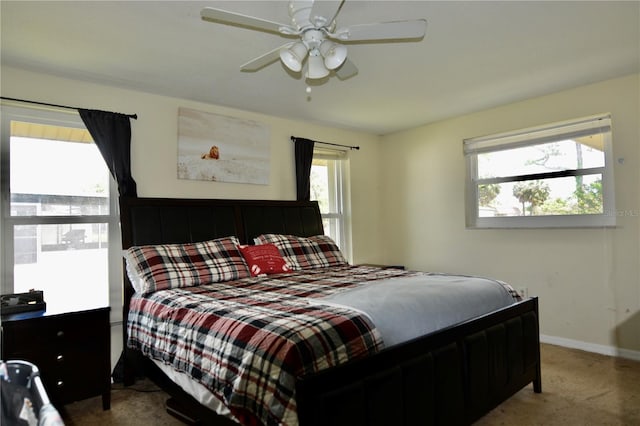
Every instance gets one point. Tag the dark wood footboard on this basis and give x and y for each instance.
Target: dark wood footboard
(450, 377)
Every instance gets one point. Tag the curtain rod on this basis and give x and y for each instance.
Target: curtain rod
(293, 139)
(134, 116)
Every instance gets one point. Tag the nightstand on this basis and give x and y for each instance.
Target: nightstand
(71, 350)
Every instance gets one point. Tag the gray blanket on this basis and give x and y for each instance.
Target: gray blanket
(404, 308)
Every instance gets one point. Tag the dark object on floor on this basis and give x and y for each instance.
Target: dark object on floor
(24, 399)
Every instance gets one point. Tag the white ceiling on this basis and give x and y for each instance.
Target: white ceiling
(475, 55)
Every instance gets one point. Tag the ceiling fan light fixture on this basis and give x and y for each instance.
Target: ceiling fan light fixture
(320, 38)
(316, 68)
(334, 54)
(293, 56)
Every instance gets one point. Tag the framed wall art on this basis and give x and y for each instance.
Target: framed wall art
(223, 149)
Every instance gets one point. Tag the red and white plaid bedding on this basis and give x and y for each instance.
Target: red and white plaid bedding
(247, 340)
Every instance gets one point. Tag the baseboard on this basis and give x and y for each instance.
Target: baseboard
(591, 347)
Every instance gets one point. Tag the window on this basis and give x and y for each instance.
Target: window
(559, 175)
(59, 212)
(329, 171)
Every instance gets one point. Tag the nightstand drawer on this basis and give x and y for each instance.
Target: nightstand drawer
(74, 370)
(71, 326)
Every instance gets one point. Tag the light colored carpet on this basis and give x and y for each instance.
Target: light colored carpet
(578, 388)
(142, 404)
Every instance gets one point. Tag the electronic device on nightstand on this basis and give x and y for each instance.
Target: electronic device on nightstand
(22, 302)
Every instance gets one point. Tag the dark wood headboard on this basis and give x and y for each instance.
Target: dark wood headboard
(175, 220)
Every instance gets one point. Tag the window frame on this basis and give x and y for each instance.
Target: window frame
(64, 118)
(596, 124)
(338, 192)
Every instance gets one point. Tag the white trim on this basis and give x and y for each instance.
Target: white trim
(528, 137)
(339, 196)
(591, 347)
(65, 118)
(540, 134)
(329, 153)
(606, 220)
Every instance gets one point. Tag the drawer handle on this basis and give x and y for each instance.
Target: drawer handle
(60, 358)
(60, 333)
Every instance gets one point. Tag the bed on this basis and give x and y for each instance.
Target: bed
(453, 375)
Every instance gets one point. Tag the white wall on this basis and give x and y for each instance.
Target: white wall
(588, 280)
(154, 147)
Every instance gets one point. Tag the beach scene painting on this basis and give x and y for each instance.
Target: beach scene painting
(223, 149)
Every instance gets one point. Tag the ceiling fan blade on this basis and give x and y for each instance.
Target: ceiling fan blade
(323, 13)
(264, 60)
(396, 30)
(238, 19)
(346, 70)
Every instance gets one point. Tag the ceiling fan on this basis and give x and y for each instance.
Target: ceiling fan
(321, 43)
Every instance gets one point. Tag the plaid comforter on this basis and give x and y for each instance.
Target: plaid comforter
(247, 340)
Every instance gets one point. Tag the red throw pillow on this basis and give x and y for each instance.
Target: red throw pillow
(264, 259)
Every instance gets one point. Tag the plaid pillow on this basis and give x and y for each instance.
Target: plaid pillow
(158, 267)
(319, 251)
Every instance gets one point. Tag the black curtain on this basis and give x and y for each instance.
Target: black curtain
(111, 131)
(304, 157)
